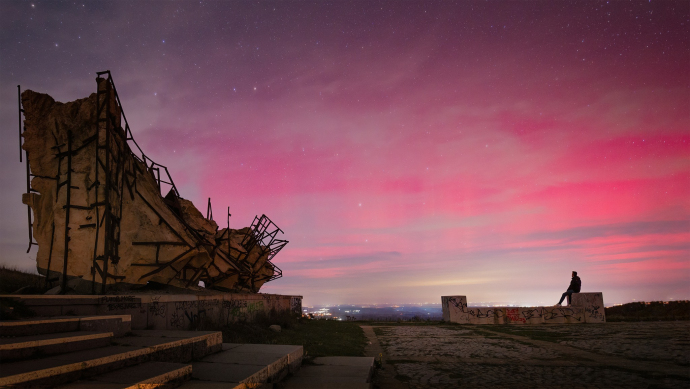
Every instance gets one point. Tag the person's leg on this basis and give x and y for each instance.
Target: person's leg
(567, 294)
(562, 298)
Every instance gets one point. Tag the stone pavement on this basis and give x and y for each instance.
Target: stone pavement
(630, 355)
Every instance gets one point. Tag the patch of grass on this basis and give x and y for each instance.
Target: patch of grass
(12, 280)
(320, 338)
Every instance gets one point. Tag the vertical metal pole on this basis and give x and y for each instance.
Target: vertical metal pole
(108, 228)
(229, 247)
(19, 104)
(121, 183)
(97, 185)
(28, 170)
(28, 208)
(50, 253)
(63, 288)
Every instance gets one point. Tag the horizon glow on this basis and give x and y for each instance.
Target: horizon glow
(408, 150)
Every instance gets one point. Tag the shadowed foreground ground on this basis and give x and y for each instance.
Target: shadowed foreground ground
(611, 355)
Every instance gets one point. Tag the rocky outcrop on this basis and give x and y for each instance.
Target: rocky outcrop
(100, 218)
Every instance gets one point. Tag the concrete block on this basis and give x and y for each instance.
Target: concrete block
(455, 309)
(593, 304)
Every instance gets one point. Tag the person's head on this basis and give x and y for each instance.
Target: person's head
(574, 273)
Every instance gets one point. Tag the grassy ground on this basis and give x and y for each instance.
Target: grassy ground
(651, 311)
(11, 280)
(320, 338)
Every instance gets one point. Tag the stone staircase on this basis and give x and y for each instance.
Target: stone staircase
(103, 352)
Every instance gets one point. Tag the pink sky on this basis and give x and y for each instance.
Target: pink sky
(407, 150)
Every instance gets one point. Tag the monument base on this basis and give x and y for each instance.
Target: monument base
(166, 312)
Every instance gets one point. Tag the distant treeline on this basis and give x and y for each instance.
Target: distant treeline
(650, 311)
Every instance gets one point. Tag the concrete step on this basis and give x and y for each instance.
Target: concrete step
(24, 347)
(333, 372)
(195, 384)
(158, 375)
(119, 325)
(245, 365)
(142, 346)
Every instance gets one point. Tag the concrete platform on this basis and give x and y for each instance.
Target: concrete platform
(294, 353)
(146, 375)
(60, 369)
(333, 372)
(24, 347)
(119, 325)
(245, 365)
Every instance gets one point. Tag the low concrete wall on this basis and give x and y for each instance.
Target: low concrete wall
(585, 308)
(165, 312)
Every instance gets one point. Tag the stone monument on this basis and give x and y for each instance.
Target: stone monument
(106, 216)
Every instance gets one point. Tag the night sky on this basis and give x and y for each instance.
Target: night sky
(408, 149)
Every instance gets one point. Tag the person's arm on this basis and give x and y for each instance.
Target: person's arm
(573, 284)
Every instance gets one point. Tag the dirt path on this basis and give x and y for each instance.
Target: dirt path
(385, 376)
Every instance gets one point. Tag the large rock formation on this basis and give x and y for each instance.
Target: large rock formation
(100, 218)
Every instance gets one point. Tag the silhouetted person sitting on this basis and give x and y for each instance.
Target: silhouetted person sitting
(574, 287)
